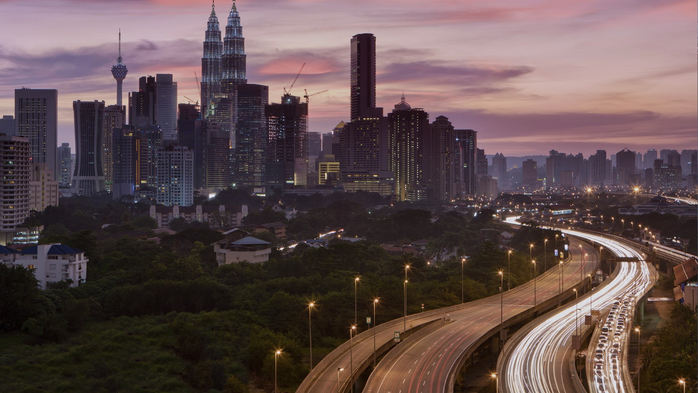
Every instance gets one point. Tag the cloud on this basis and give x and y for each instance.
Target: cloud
(438, 72)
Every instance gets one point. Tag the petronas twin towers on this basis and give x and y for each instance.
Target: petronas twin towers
(223, 66)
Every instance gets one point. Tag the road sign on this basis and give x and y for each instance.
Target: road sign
(396, 336)
(368, 320)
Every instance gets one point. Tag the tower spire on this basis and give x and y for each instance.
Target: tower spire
(119, 59)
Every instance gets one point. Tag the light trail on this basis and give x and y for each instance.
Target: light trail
(539, 361)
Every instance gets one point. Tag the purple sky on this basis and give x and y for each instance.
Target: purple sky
(530, 76)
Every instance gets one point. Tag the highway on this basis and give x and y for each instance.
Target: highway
(539, 358)
(430, 363)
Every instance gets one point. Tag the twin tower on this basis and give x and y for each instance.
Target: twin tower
(224, 64)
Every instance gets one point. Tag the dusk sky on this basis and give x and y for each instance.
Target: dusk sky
(529, 76)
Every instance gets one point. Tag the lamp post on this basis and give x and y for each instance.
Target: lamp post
(637, 330)
(581, 270)
(338, 370)
(356, 281)
(310, 332)
(276, 357)
(545, 251)
(509, 269)
(404, 317)
(576, 307)
(535, 271)
(375, 301)
(501, 302)
(530, 251)
(623, 222)
(351, 356)
(462, 290)
(682, 382)
(496, 382)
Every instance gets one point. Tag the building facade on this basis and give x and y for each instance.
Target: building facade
(36, 118)
(88, 178)
(407, 131)
(287, 152)
(175, 176)
(14, 190)
(53, 263)
(65, 165)
(43, 190)
(166, 106)
(114, 118)
(249, 158)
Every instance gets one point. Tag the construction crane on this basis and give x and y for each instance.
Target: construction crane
(190, 100)
(307, 96)
(294, 81)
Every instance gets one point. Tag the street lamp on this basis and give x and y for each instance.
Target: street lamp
(404, 317)
(530, 251)
(338, 370)
(375, 301)
(509, 267)
(683, 382)
(562, 281)
(496, 382)
(356, 281)
(351, 356)
(535, 271)
(310, 332)
(637, 330)
(462, 291)
(276, 357)
(576, 307)
(545, 251)
(501, 309)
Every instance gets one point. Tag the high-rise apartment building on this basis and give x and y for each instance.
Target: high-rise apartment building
(148, 142)
(466, 155)
(119, 72)
(597, 168)
(407, 130)
(648, 158)
(499, 170)
(7, 125)
(88, 178)
(564, 170)
(211, 63)
(125, 143)
(114, 118)
(529, 178)
(625, 167)
(363, 77)
(36, 118)
(217, 157)
(65, 164)
(142, 105)
(166, 106)
(249, 159)
(14, 205)
(43, 190)
(191, 135)
(175, 185)
(439, 160)
(287, 152)
(481, 163)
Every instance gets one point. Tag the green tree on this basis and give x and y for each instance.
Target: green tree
(18, 296)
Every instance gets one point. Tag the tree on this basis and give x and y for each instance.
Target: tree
(18, 296)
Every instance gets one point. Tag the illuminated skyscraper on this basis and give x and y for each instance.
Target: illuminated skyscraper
(88, 178)
(166, 106)
(287, 152)
(14, 205)
(114, 118)
(251, 136)
(119, 72)
(211, 62)
(407, 129)
(233, 59)
(36, 118)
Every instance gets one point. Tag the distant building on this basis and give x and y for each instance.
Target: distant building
(466, 158)
(166, 106)
(14, 206)
(648, 158)
(52, 263)
(142, 104)
(251, 136)
(124, 163)
(36, 118)
(211, 63)
(439, 160)
(499, 170)
(247, 249)
(278, 229)
(114, 118)
(408, 129)
(175, 176)
(7, 125)
(597, 168)
(191, 135)
(216, 216)
(65, 164)
(487, 187)
(119, 72)
(328, 172)
(530, 174)
(43, 190)
(217, 157)
(625, 166)
(287, 152)
(88, 178)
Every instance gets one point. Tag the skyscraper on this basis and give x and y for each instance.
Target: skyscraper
(124, 145)
(7, 125)
(249, 159)
(14, 205)
(233, 59)
(114, 118)
(363, 77)
(142, 103)
(43, 190)
(217, 156)
(119, 72)
(192, 136)
(166, 106)
(65, 163)
(649, 157)
(439, 165)
(407, 130)
(625, 166)
(287, 152)
(597, 168)
(175, 176)
(36, 118)
(466, 152)
(530, 174)
(211, 62)
(88, 178)
(499, 170)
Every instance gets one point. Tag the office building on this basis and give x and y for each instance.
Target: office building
(686, 160)
(119, 72)
(487, 187)
(481, 163)
(149, 141)
(597, 168)
(466, 152)
(142, 105)
(7, 125)
(88, 177)
(211, 63)
(328, 171)
(14, 206)
(65, 165)
(249, 159)
(625, 167)
(407, 131)
(166, 106)
(175, 179)
(499, 170)
(124, 143)
(363, 77)
(43, 190)
(649, 157)
(36, 118)
(114, 118)
(216, 157)
(191, 135)
(287, 152)
(314, 145)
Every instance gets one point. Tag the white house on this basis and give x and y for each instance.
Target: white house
(54, 263)
(247, 249)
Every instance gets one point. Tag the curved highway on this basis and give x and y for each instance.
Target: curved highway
(539, 358)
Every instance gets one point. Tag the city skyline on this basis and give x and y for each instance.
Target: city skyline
(568, 74)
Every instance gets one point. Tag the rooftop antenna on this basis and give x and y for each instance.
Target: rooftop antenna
(119, 59)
